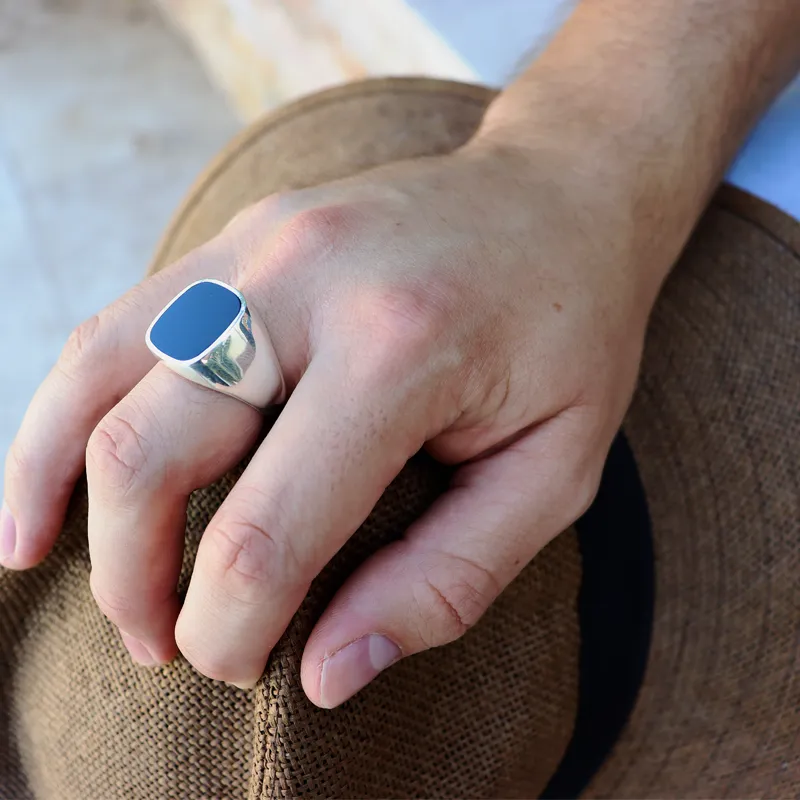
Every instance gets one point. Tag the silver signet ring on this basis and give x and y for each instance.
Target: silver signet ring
(208, 335)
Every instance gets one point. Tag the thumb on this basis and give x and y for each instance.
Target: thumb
(429, 588)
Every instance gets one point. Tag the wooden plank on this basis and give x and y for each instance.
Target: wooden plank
(263, 52)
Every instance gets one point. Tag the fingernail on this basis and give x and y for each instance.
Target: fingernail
(246, 687)
(139, 652)
(8, 534)
(354, 666)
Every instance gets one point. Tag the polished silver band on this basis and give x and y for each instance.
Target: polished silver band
(241, 362)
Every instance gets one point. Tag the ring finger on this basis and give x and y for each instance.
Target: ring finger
(162, 441)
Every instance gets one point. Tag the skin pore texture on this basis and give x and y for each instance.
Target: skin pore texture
(489, 305)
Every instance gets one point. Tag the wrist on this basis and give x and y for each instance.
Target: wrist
(635, 111)
(601, 192)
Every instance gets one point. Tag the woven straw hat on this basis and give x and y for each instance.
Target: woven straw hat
(652, 651)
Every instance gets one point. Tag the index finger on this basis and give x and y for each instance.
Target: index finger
(102, 361)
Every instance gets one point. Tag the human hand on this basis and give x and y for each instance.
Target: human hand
(488, 305)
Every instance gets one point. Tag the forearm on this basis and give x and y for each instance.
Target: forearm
(652, 100)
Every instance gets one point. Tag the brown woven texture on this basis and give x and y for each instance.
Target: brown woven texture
(79, 720)
(714, 428)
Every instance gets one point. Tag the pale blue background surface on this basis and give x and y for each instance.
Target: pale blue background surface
(769, 163)
(496, 37)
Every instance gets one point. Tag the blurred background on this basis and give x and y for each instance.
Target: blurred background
(110, 108)
(105, 118)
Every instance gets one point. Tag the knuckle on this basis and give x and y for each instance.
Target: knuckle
(403, 323)
(82, 345)
(251, 558)
(412, 314)
(253, 214)
(312, 233)
(118, 452)
(396, 331)
(441, 616)
(451, 598)
(323, 225)
(118, 609)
